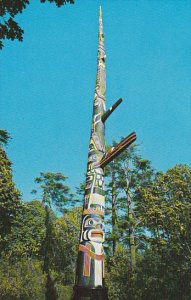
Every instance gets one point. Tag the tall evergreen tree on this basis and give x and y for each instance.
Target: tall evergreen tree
(55, 193)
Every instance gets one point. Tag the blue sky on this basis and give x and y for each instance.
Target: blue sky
(47, 84)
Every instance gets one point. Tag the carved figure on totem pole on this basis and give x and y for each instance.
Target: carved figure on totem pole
(90, 263)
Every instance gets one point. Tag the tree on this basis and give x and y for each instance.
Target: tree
(134, 172)
(22, 280)
(165, 211)
(9, 28)
(10, 198)
(21, 275)
(37, 242)
(124, 175)
(66, 236)
(165, 207)
(112, 204)
(55, 193)
(27, 234)
(162, 203)
(119, 280)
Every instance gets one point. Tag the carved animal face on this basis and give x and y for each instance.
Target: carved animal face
(93, 229)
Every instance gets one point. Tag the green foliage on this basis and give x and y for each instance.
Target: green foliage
(10, 203)
(4, 137)
(150, 223)
(163, 207)
(9, 28)
(120, 281)
(60, 252)
(28, 233)
(22, 280)
(54, 190)
(163, 275)
(124, 175)
(56, 257)
(64, 292)
(66, 238)
(58, 3)
(79, 198)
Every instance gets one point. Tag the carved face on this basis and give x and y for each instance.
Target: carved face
(93, 229)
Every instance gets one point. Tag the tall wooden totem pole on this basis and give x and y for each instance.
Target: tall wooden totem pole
(90, 265)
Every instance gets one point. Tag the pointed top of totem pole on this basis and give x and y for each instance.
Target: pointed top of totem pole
(100, 12)
(100, 22)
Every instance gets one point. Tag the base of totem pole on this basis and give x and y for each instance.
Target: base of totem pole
(89, 293)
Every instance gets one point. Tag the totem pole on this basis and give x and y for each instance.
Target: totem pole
(90, 265)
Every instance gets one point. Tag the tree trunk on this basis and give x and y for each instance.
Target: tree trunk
(132, 236)
(50, 293)
(131, 218)
(114, 214)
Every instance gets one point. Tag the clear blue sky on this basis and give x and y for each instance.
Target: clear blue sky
(47, 84)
